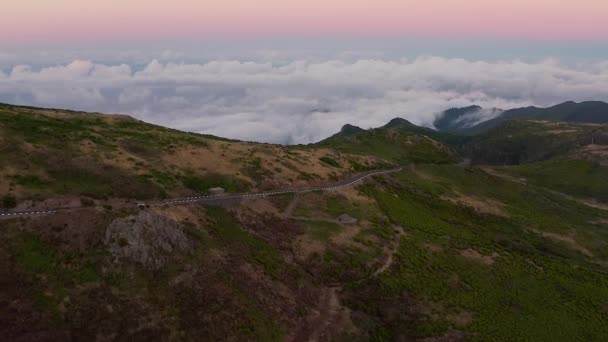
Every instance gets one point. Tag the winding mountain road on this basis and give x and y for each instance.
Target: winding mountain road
(221, 198)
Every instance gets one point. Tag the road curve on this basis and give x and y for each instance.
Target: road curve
(218, 198)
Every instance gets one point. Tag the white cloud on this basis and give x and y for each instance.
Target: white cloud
(475, 117)
(134, 95)
(300, 101)
(86, 96)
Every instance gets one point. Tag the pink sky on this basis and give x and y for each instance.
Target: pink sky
(64, 21)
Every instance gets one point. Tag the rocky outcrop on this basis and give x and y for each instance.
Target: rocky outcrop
(147, 239)
(346, 219)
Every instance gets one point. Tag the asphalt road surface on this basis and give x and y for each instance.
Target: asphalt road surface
(214, 199)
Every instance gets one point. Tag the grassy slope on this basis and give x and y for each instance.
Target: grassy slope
(537, 288)
(579, 178)
(49, 152)
(521, 141)
(398, 146)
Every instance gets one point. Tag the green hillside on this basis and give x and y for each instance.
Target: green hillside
(399, 142)
(580, 178)
(512, 247)
(522, 141)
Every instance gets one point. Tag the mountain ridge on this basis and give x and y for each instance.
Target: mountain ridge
(569, 111)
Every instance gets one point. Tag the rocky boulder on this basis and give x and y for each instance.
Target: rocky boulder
(216, 191)
(346, 219)
(147, 239)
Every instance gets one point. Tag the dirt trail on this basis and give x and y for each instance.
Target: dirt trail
(385, 266)
(391, 252)
(568, 239)
(493, 172)
(586, 201)
(315, 219)
(329, 312)
(590, 202)
(292, 205)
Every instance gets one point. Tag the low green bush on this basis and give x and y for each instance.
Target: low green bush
(9, 201)
(203, 183)
(330, 161)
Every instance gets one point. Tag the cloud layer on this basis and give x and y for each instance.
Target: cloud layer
(299, 101)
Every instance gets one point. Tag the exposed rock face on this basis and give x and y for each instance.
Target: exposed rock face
(148, 239)
(346, 219)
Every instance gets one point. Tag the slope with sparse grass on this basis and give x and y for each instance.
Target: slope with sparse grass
(47, 153)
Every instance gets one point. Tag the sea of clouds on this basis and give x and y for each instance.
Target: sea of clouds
(299, 101)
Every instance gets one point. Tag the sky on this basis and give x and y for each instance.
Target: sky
(296, 71)
(61, 21)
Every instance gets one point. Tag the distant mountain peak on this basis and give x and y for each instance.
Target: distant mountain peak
(568, 103)
(350, 129)
(398, 122)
